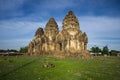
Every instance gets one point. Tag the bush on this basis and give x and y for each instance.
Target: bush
(23, 49)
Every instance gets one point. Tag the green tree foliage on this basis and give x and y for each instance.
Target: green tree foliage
(95, 50)
(105, 50)
(23, 49)
(8, 50)
(11, 50)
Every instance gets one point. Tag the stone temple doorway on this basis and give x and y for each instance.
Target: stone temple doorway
(60, 46)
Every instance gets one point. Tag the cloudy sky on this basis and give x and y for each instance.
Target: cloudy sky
(19, 19)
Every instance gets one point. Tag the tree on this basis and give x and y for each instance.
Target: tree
(23, 49)
(12, 50)
(95, 50)
(105, 50)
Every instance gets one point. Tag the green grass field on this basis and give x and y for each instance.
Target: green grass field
(48, 68)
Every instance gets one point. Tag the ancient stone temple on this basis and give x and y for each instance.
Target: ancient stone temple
(69, 41)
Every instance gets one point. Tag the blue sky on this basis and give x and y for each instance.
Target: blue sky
(19, 19)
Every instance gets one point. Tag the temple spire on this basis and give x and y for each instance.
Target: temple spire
(70, 20)
(39, 31)
(51, 24)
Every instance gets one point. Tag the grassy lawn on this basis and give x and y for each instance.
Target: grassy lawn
(48, 68)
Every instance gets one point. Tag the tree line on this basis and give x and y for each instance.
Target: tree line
(104, 51)
(21, 50)
(95, 50)
(8, 50)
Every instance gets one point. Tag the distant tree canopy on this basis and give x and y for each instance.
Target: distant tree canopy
(96, 50)
(12, 50)
(105, 50)
(8, 50)
(23, 49)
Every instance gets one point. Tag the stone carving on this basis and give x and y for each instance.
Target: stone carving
(69, 41)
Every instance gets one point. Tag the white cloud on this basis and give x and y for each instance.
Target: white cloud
(112, 44)
(14, 43)
(18, 27)
(100, 26)
(14, 27)
(9, 28)
(101, 31)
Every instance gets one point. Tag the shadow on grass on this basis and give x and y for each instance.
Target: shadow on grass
(26, 64)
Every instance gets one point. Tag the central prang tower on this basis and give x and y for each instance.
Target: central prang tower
(74, 39)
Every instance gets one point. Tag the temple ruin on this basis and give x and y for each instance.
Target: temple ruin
(69, 41)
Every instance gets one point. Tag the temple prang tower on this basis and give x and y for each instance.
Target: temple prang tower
(69, 41)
